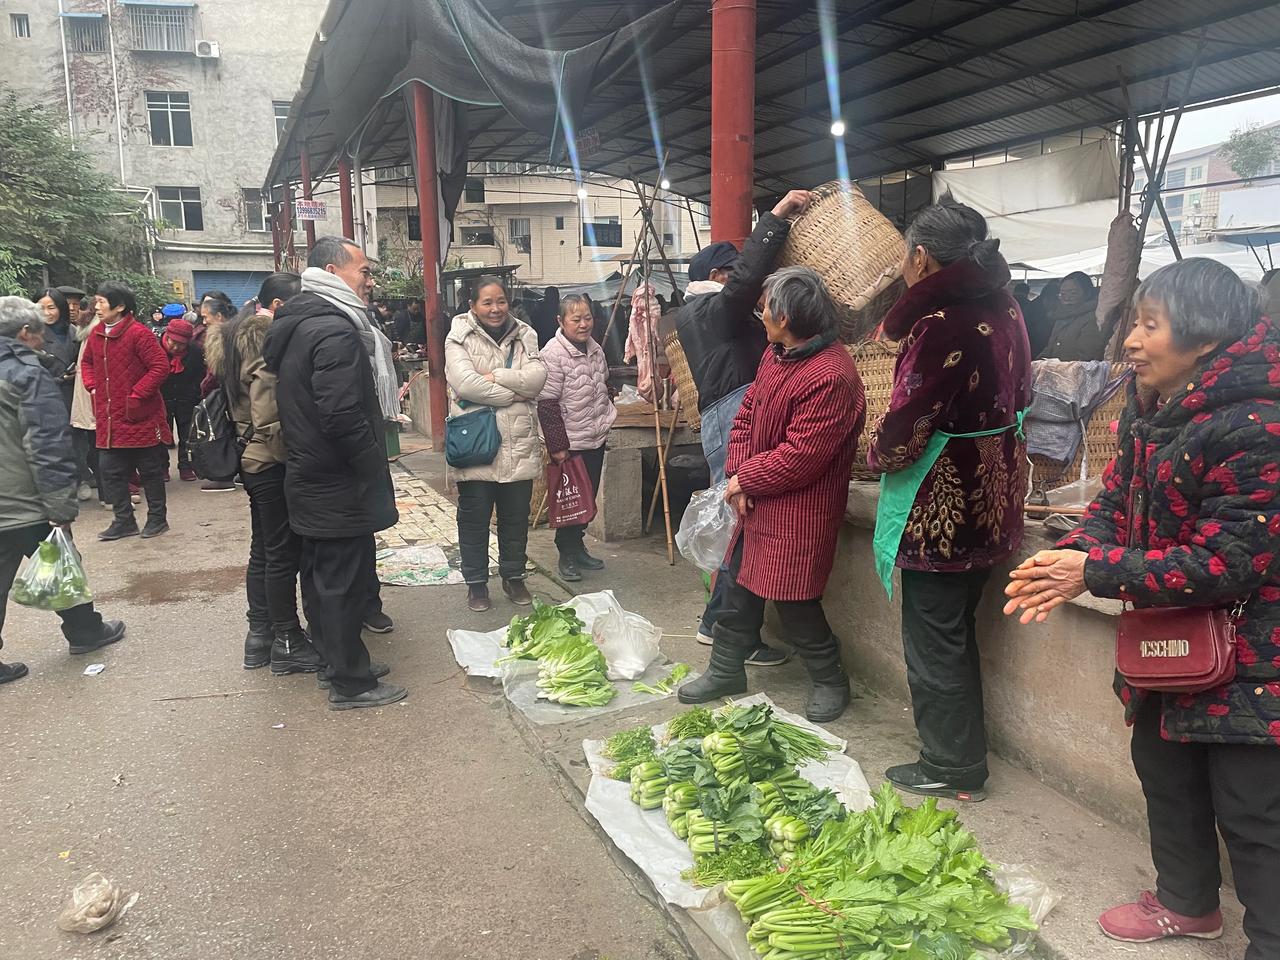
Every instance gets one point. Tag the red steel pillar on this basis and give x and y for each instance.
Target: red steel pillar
(276, 251)
(424, 135)
(344, 192)
(304, 164)
(733, 96)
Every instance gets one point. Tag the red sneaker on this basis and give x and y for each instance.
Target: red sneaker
(186, 473)
(135, 489)
(1149, 920)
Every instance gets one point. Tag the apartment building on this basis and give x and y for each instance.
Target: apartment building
(533, 216)
(182, 102)
(1196, 209)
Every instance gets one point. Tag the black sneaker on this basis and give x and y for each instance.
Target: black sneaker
(217, 486)
(10, 672)
(119, 530)
(379, 696)
(292, 652)
(913, 779)
(378, 623)
(379, 670)
(765, 656)
(154, 528)
(587, 562)
(112, 632)
(569, 569)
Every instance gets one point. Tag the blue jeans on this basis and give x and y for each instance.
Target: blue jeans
(717, 424)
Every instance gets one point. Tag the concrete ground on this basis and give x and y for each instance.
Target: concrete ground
(257, 824)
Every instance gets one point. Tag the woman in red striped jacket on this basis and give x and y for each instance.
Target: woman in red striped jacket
(790, 451)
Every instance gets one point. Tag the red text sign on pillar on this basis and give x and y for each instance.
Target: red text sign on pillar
(733, 92)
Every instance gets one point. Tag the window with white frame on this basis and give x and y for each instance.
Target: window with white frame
(180, 207)
(162, 28)
(518, 230)
(169, 116)
(20, 24)
(257, 213)
(87, 34)
(1197, 174)
(280, 108)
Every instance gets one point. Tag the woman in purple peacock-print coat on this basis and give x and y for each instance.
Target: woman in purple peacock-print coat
(1189, 515)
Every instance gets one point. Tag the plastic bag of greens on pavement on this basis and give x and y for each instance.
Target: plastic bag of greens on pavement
(53, 578)
(706, 528)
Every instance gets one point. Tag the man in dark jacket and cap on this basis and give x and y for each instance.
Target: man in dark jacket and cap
(723, 340)
(38, 472)
(337, 483)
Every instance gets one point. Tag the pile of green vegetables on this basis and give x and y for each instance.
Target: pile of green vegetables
(813, 880)
(571, 668)
(52, 580)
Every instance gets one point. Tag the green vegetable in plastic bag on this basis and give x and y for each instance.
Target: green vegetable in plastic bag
(53, 578)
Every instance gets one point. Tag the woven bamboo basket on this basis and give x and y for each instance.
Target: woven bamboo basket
(683, 379)
(856, 251)
(875, 360)
(1099, 445)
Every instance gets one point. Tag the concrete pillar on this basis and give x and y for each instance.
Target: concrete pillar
(619, 503)
(424, 125)
(733, 91)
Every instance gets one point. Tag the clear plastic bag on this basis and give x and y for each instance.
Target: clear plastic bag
(96, 902)
(53, 578)
(628, 641)
(706, 528)
(1024, 889)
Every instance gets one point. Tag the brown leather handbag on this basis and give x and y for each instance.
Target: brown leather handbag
(1177, 649)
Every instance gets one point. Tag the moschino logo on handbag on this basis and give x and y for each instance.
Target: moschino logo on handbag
(1164, 648)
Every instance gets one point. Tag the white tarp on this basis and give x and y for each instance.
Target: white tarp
(1043, 206)
(1155, 256)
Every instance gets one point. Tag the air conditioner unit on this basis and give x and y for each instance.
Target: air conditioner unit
(207, 50)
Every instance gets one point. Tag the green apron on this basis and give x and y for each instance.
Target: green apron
(898, 494)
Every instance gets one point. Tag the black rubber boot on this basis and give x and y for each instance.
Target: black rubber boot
(569, 570)
(292, 652)
(830, 693)
(726, 673)
(257, 645)
(587, 562)
(157, 509)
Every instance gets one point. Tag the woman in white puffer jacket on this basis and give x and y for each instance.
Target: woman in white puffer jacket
(576, 413)
(491, 359)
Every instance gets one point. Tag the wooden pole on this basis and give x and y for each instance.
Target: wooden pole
(662, 453)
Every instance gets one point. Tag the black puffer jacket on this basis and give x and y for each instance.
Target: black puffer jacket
(337, 483)
(721, 338)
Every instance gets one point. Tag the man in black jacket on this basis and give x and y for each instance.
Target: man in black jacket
(38, 473)
(723, 340)
(337, 484)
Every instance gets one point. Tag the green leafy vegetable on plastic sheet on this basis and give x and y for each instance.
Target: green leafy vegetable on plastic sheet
(629, 748)
(666, 684)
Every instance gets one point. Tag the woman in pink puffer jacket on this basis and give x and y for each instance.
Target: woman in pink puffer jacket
(576, 412)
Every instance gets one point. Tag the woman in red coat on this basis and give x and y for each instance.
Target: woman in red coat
(792, 444)
(123, 368)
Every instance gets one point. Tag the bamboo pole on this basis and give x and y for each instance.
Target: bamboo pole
(662, 454)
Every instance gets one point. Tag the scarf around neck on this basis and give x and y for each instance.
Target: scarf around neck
(332, 288)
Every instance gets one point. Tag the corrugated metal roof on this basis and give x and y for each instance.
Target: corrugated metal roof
(920, 81)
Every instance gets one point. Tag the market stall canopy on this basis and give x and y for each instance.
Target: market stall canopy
(1045, 206)
(919, 81)
(1154, 256)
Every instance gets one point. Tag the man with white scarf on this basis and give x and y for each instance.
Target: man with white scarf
(335, 390)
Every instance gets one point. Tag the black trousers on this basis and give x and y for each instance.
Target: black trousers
(335, 595)
(741, 616)
(81, 623)
(117, 466)
(271, 578)
(944, 672)
(477, 501)
(85, 444)
(179, 414)
(569, 539)
(1190, 789)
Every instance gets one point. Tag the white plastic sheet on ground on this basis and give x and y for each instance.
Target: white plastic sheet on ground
(645, 837)
(416, 566)
(628, 641)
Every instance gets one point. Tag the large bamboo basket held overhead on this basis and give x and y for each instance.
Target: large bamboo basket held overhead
(855, 249)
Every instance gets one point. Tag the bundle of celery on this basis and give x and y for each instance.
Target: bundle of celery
(890, 882)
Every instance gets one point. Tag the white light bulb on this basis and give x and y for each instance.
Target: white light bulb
(582, 193)
(665, 184)
(837, 128)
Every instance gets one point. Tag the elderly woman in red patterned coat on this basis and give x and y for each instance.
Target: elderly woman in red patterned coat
(792, 444)
(961, 381)
(1189, 516)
